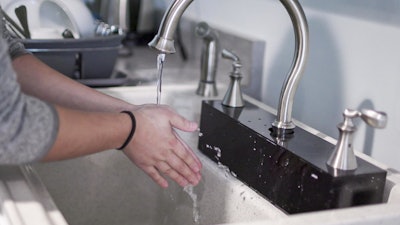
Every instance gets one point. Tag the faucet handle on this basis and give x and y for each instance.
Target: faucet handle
(233, 96)
(374, 118)
(343, 157)
(371, 117)
(226, 54)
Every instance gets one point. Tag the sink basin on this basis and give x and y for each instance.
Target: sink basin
(106, 188)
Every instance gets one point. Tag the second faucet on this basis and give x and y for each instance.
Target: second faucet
(209, 60)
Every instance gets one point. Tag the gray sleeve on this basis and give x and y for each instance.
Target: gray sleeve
(28, 126)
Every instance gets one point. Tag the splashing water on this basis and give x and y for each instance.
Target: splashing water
(227, 171)
(160, 65)
(196, 213)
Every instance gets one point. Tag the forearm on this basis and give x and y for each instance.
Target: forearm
(82, 133)
(43, 82)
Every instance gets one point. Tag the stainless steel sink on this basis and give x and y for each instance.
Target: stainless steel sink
(106, 188)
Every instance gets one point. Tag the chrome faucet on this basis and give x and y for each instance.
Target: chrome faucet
(164, 42)
(164, 39)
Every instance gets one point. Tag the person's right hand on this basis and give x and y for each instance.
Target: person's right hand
(156, 147)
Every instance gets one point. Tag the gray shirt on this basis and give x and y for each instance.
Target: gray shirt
(28, 126)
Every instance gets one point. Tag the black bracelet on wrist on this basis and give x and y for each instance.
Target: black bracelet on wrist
(132, 129)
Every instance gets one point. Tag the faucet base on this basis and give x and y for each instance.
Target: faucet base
(281, 132)
(207, 89)
(291, 172)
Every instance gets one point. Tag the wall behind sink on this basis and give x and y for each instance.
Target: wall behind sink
(354, 60)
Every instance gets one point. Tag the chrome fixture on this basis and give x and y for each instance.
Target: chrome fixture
(164, 39)
(209, 60)
(343, 157)
(233, 96)
(283, 123)
(105, 29)
(164, 42)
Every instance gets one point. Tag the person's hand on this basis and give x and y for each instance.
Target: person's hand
(156, 147)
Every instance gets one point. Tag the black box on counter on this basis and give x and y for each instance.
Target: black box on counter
(291, 173)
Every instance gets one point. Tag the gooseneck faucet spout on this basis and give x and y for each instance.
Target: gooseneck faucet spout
(164, 42)
(283, 123)
(164, 39)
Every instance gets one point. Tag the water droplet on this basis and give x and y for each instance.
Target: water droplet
(285, 162)
(218, 150)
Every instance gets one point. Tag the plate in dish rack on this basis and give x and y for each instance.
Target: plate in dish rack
(47, 19)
